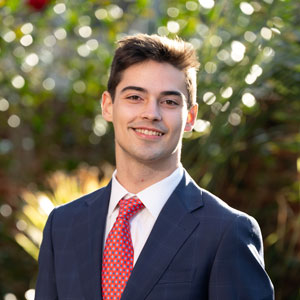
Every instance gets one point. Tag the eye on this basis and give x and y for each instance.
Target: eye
(134, 97)
(170, 102)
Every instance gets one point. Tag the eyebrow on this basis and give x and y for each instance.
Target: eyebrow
(164, 93)
(174, 93)
(132, 87)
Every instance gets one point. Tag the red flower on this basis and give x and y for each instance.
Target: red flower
(37, 4)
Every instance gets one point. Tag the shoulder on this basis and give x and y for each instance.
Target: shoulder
(231, 226)
(68, 210)
(214, 208)
(238, 250)
(236, 227)
(218, 206)
(82, 201)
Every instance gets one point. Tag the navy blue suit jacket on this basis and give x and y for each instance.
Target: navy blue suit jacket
(199, 248)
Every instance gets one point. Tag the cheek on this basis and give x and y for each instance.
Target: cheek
(178, 121)
(123, 116)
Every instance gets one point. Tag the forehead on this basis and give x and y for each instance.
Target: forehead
(153, 76)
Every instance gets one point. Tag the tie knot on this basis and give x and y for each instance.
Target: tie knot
(129, 207)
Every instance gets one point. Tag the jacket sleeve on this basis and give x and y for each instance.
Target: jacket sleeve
(46, 282)
(238, 269)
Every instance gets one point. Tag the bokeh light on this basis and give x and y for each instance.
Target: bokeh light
(208, 4)
(49, 84)
(209, 98)
(5, 210)
(201, 125)
(32, 59)
(237, 51)
(9, 36)
(223, 55)
(173, 12)
(163, 31)
(115, 11)
(79, 87)
(60, 33)
(234, 119)
(27, 143)
(266, 33)
(21, 225)
(246, 8)
(215, 40)
(173, 26)
(100, 126)
(227, 92)
(18, 81)
(45, 204)
(191, 5)
(29, 295)
(14, 121)
(248, 99)
(26, 40)
(225, 106)
(4, 104)
(50, 41)
(250, 36)
(210, 67)
(85, 31)
(10, 296)
(59, 8)
(101, 13)
(92, 44)
(27, 28)
(5, 146)
(83, 50)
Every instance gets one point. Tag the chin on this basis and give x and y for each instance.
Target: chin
(153, 158)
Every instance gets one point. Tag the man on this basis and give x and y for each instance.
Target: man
(152, 233)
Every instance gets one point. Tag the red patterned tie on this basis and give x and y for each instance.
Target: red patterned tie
(118, 251)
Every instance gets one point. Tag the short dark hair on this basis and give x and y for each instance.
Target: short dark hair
(142, 47)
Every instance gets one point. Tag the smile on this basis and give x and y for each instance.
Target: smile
(149, 132)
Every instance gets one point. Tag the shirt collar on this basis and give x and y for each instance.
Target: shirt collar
(153, 197)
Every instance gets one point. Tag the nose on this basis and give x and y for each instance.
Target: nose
(151, 111)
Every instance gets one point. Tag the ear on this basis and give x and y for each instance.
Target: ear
(191, 118)
(107, 106)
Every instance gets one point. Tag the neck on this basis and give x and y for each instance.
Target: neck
(135, 176)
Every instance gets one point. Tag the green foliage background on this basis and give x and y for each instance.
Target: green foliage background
(245, 152)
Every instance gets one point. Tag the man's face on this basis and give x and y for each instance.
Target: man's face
(149, 113)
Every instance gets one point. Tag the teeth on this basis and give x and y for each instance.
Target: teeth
(149, 132)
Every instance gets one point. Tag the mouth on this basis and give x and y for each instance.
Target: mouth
(149, 132)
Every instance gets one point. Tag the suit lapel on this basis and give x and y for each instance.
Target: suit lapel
(172, 228)
(89, 228)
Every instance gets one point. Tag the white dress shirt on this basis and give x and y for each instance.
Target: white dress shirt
(153, 197)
